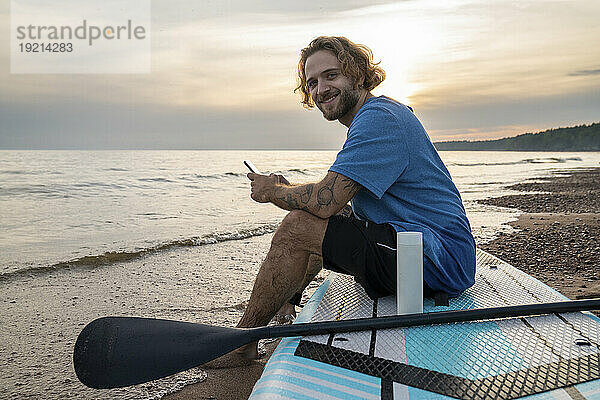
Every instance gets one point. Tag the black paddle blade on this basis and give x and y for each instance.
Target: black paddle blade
(114, 352)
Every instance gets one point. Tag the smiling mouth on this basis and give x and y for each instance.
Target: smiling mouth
(329, 99)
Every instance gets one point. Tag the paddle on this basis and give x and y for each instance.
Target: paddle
(121, 351)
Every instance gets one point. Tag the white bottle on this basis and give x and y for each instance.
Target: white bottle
(409, 285)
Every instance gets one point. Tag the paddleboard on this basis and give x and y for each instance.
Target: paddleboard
(542, 357)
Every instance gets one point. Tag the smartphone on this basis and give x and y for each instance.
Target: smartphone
(251, 167)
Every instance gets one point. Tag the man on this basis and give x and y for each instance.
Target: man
(389, 171)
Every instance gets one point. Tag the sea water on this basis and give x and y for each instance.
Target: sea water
(171, 234)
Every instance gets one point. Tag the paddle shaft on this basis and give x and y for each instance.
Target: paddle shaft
(442, 317)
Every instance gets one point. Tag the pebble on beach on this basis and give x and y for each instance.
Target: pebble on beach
(557, 239)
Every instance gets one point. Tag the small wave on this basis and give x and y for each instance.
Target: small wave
(37, 190)
(156, 216)
(16, 172)
(114, 257)
(116, 169)
(92, 185)
(22, 172)
(552, 160)
(172, 384)
(487, 183)
(84, 189)
(159, 179)
(229, 174)
(301, 171)
(217, 176)
(548, 160)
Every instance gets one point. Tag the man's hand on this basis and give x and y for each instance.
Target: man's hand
(263, 186)
(282, 180)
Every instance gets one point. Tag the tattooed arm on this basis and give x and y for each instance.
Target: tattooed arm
(323, 199)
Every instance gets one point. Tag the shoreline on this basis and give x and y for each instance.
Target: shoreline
(557, 238)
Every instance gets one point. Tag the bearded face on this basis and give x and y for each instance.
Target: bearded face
(337, 102)
(331, 91)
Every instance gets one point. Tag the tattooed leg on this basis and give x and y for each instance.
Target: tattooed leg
(287, 312)
(315, 261)
(285, 269)
(294, 246)
(315, 264)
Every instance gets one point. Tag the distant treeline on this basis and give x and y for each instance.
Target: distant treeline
(576, 138)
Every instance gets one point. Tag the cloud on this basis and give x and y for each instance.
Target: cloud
(507, 53)
(586, 72)
(183, 11)
(68, 124)
(494, 119)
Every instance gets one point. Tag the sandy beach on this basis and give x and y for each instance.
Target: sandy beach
(237, 383)
(230, 383)
(557, 239)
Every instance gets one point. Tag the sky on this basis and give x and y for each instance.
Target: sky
(223, 73)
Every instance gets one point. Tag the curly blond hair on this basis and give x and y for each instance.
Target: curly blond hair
(356, 60)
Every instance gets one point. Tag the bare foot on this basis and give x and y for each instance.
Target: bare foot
(243, 356)
(286, 314)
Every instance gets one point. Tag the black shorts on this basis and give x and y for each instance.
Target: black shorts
(363, 249)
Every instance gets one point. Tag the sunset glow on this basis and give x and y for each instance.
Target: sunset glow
(470, 69)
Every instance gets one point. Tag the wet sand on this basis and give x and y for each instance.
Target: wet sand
(43, 314)
(237, 383)
(225, 384)
(557, 239)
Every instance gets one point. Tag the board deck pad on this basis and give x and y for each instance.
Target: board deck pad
(541, 357)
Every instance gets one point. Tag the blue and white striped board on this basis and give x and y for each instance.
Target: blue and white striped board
(540, 357)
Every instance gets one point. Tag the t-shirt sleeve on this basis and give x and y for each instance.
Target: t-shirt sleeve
(375, 152)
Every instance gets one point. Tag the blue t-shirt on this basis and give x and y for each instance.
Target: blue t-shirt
(407, 185)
